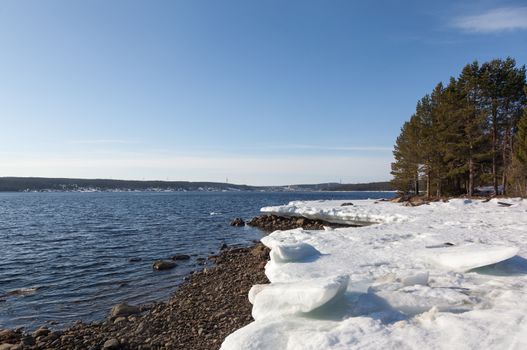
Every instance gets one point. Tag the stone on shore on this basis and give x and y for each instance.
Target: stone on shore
(181, 257)
(124, 310)
(41, 332)
(163, 265)
(238, 222)
(111, 344)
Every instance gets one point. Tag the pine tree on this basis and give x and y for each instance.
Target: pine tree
(519, 161)
(502, 86)
(466, 133)
(473, 140)
(405, 169)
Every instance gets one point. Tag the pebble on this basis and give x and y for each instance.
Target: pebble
(111, 344)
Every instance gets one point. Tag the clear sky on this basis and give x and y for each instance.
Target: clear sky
(261, 92)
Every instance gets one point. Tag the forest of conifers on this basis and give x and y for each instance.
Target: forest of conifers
(467, 134)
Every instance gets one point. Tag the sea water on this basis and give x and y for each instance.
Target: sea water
(72, 256)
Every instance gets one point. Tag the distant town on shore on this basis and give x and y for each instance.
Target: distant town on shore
(42, 184)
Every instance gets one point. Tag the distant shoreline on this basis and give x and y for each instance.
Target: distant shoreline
(41, 184)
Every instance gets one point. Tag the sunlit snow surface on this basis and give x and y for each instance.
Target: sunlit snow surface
(399, 293)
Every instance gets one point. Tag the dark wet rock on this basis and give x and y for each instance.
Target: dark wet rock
(346, 204)
(124, 310)
(224, 246)
(163, 265)
(181, 257)
(271, 223)
(27, 340)
(238, 222)
(135, 259)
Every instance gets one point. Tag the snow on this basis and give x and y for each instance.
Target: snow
(379, 286)
(469, 256)
(279, 299)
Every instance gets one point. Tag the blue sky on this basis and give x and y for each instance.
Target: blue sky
(261, 92)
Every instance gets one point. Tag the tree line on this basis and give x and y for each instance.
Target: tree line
(468, 133)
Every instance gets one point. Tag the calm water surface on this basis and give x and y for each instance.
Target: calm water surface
(66, 256)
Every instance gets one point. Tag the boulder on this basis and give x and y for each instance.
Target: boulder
(7, 334)
(181, 257)
(238, 222)
(347, 204)
(163, 265)
(124, 310)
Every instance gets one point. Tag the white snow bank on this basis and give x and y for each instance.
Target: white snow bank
(360, 213)
(400, 294)
(279, 299)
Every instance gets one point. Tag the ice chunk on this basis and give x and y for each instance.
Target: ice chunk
(469, 256)
(289, 252)
(418, 278)
(297, 297)
(257, 288)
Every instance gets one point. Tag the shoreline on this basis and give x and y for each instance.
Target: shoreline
(208, 306)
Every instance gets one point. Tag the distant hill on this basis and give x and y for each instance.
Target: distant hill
(334, 186)
(18, 184)
(42, 184)
(371, 186)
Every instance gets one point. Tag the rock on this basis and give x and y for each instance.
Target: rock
(119, 319)
(260, 251)
(238, 222)
(111, 344)
(28, 340)
(124, 310)
(224, 246)
(41, 332)
(347, 204)
(135, 259)
(399, 199)
(300, 222)
(181, 257)
(6, 346)
(163, 265)
(7, 334)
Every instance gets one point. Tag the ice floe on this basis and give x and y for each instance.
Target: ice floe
(439, 276)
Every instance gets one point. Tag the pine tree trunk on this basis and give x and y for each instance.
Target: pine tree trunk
(470, 187)
(416, 184)
(428, 184)
(494, 146)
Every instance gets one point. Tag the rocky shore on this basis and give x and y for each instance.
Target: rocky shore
(271, 223)
(208, 306)
(211, 304)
